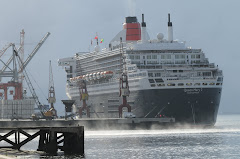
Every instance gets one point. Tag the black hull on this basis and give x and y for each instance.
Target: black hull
(190, 106)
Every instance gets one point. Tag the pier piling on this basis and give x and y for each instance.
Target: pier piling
(51, 139)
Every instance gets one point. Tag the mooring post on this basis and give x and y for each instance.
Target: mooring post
(52, 146)
(42, 141)
(74, 141)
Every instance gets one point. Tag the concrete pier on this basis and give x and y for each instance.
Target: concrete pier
(94, 123)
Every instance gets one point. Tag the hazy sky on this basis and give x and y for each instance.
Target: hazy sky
(212, 25)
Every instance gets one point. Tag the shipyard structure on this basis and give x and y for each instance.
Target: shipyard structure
(165, 77)
(14, 101)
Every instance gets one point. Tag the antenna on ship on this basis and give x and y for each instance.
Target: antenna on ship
(170, 29)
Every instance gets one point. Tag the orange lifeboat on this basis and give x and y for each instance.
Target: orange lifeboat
(79, 78)
(86, 77)
(108, 74)
(101, 74)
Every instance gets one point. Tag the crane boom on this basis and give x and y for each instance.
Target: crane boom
(51, 90)
(34, 51)
(4, 49)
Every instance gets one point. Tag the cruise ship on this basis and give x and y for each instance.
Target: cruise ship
(166, 78)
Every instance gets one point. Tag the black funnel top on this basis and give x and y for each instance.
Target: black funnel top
(143, 23)
(169, 21)
(131, 20)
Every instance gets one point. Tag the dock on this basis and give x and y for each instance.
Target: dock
(93, 123)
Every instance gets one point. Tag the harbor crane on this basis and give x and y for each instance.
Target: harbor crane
(84, 97)
(82, 86)
(123, 84)
(51, 92)
(15, 72)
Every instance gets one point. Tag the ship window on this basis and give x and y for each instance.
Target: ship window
(158, 80)
(174, 71)
(204, 84)
(151, 80)
(193, 56)
(195, 61)
(171, 84)
(113, 100)
(168, 56)
(180, 71)
(180, 62)
(161, 85)
(131, 57)
(157, 74)
(219, 79)
(154, 56)
(211, 83)
(197, 84)
(198, 56)
(150, 74)
(180, 84)
(137, 57)
(148, 56)
(179, 56)
(206, 73)
(152, 62)
(218, 84)
(189, 84)
(199, 73)
(152, 85)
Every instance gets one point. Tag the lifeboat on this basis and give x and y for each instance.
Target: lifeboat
(90, 76)
(98, 75)
(101, 74)
(108, 74)
(94, 76)
(79, 78)
(86, 77)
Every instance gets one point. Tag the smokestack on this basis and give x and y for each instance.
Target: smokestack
(170, 29)
(133, 29)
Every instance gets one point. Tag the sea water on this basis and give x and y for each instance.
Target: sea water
(220, 141)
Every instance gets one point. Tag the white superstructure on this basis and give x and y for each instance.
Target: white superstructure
(152, 64)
